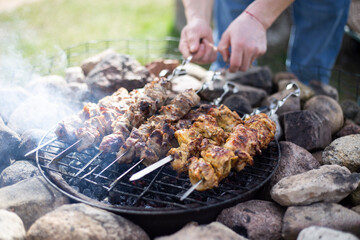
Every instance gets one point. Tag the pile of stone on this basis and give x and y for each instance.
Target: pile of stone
(314, 193)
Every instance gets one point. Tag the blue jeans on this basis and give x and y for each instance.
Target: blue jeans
(315, 40)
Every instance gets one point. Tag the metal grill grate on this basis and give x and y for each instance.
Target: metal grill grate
(157, 192)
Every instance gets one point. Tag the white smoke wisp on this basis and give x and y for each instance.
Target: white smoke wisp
(30, 97)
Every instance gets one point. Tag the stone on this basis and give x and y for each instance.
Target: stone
(356, 209)
(293, 160)
(256, 76)
(31, 199)
(212, 231)
(11, 98)
(291, 104)
(155, 67)
(38, 112)
(196, 71)
(115, 71)
(329, 108)
(254, 95)
(350, 108)
(29, 141)
(11, 226)
(284, 76)
(307, 129)
(17, 172)
(79, 91)
(329, 215)
(355, 196)
(181, 83)
(320, 88)
(9, 140)
(315, 233)
(344, 151)
(52, 85)
(238, 103)
(318, 156)
(305, 92)
(329, 183)
(74, 74)
(348, 129)
(255, 219)
(80, 221)
(357, 118)
(88, 64)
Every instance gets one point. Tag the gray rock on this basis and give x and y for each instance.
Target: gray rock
(329, 108)
(255, 219)
(238, 103)
(357, 118)
(344, 151)
(315, 233)
(350, 108)
(329, 215)
(291, 104)
(348, 129)
(78, 91)
(329, 183)
(356, 209)
(256, 76)
(294, 160)
(181, 83)
(318, 156)
(284, 76)
(38, 112)
(88, 64)
(80, 221)
(17, 172)
(254, 95)
(11, 226)
(115, 71)
(30, 199)
(212, 231)
(74, 74)
(355, 196)
(29, 141)
(305, 92)
(324, 89)
(9, 140)
(10, 98)
(307, 129)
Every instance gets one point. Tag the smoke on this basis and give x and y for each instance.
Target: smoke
(31, 98)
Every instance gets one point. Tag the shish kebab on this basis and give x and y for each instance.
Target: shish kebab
(66, 130)
(153, 139)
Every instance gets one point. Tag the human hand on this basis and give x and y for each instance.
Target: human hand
(246, 36)
(196, 39)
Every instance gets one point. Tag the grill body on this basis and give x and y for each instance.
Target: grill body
(154, 201)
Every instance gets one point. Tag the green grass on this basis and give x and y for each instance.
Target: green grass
(42, 28)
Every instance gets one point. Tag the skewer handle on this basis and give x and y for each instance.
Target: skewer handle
(151, 168)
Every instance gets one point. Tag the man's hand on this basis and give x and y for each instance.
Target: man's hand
(246, 36)
(196, 38)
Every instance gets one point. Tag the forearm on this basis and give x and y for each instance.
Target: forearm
(267, 11)
(198, 9)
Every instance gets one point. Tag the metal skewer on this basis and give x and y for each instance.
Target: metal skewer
(190, 190)
(151, 168)
(40, 146)
(88, 163)
(65, 152)
(112, 163)
(112, 185)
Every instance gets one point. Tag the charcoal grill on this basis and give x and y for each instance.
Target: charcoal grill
(154, 201)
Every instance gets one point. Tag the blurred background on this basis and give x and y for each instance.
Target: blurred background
(32, 32)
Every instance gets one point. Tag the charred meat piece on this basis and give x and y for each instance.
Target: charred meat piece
(226, 118)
